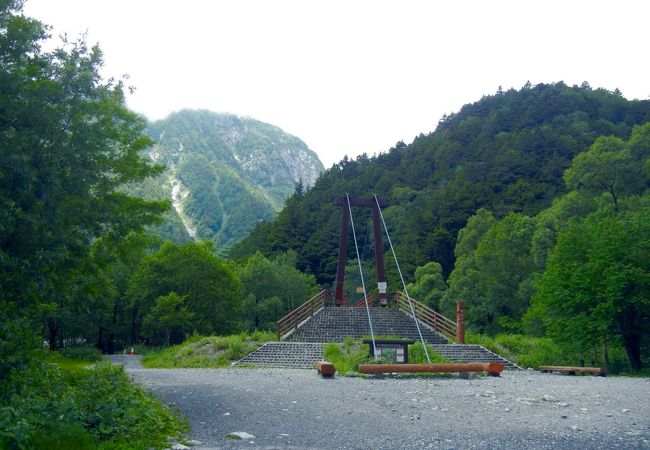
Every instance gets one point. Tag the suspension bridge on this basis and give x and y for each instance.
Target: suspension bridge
(333, 318)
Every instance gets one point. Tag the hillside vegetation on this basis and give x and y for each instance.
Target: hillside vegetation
(530, 206)
(225, 174)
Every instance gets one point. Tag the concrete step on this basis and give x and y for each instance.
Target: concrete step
(334, 324)
(471, 353)
(299, 355)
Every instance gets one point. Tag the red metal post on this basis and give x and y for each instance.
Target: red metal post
(343, 246)
(460, 323)
(379, 256)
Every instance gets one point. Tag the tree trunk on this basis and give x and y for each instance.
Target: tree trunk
(134, 319)
(632, 344)
(605, 353)
(100, 340)
(111, 344)
(52, 332)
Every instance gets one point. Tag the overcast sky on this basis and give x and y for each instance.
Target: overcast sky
(349, 77)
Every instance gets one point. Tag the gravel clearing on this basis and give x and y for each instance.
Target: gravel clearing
(293, 408)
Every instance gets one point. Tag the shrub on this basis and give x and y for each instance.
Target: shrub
(78, 408)
(346, 357)
(82, 353)
(417, 355)
(212, 351)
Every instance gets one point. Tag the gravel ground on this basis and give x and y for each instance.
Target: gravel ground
(284, 408)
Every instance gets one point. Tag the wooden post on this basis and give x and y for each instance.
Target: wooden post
(460, 323)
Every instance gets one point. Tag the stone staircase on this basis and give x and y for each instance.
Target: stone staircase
(334, 324)
(297, 355)
(471, 353)
(303, 347)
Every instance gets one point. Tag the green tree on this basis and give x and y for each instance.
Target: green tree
(607, 167)
(597, 283)
(494, 280)
(272, 288)
(168, 314)
(429, 286)
(209, 287)
(68, 146)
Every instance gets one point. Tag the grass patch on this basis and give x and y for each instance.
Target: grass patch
(57, 402)
(211, 351)
(417, 355)
(529, 351)
(347, 356)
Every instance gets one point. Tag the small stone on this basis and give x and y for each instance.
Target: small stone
(226, 414)
(180, 447)
(575, 428)
(563, 404)
(608, 415)
(625, 411)
(239, 435)
(564, 416)
(508, 410)
(193, 443)
(548, 398)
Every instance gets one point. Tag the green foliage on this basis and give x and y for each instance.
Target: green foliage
(68, 145)
(596, 285)
(47, 407)
(212, 351)
(493, 279)
(82, 353)
(208, 286)
(237, 171)
(272, 288)
(606, 167)
(505, 153)
(429, 286)
(417, 355)
(346, 357)
(530, 351)
(168, 313)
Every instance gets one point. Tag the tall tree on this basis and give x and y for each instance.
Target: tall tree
(209, 287)
(68, 144)
(607, 167)
(271, 288)
(597, 283)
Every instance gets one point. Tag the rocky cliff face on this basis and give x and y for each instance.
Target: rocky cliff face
(234, 171)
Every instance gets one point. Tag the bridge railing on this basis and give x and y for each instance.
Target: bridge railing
(427, 315)
(291, 321)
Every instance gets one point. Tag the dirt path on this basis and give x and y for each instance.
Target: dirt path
(285, 408)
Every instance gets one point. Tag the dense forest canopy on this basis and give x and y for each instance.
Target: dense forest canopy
(506, 153)
(531, 206)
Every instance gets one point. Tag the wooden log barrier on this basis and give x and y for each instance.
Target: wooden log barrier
(326, 369)
(492, 369)
(572, 370)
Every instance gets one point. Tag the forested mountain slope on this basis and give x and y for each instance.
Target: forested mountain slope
(224, 173)
(506, 152)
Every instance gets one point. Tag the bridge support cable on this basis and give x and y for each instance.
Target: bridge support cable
(408, 297)
(363, 283)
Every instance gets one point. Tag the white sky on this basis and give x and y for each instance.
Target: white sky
(353, 76)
